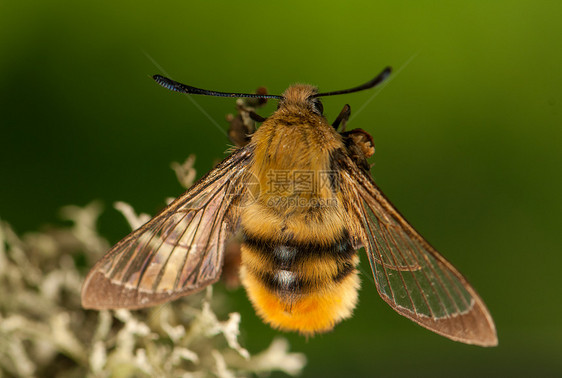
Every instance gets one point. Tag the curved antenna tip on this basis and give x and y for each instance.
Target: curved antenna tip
(380, 77)
(368, 85)
(170, 84)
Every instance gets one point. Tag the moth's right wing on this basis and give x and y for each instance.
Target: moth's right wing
(179, 251)
(410, 275)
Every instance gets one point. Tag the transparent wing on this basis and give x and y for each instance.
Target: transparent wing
(177, 252)
(410, 275)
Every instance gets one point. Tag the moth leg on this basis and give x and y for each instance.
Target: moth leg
(231, 264)
(256, 117)
(342, 118)
(360, 145)
(243, 124)
(239, 131)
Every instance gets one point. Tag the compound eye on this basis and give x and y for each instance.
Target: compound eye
(318, 107)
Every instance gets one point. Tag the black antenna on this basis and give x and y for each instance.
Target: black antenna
(370, 84)
(188, 89)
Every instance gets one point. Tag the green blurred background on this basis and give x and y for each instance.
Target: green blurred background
(468, 135)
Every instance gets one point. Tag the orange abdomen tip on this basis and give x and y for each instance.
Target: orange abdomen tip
(315, 312)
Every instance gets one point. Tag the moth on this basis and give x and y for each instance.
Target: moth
(299, 195)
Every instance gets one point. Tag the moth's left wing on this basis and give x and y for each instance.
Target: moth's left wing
(410, 275)
(178, 252)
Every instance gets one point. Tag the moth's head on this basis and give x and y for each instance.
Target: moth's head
(301, 97)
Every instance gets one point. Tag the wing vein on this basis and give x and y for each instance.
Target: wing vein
(208, 239)
(371, 259)
(385, 237)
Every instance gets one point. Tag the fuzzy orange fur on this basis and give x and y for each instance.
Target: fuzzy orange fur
(297, 139)
(307, 314)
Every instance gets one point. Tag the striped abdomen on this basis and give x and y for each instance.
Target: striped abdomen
(306, 286)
